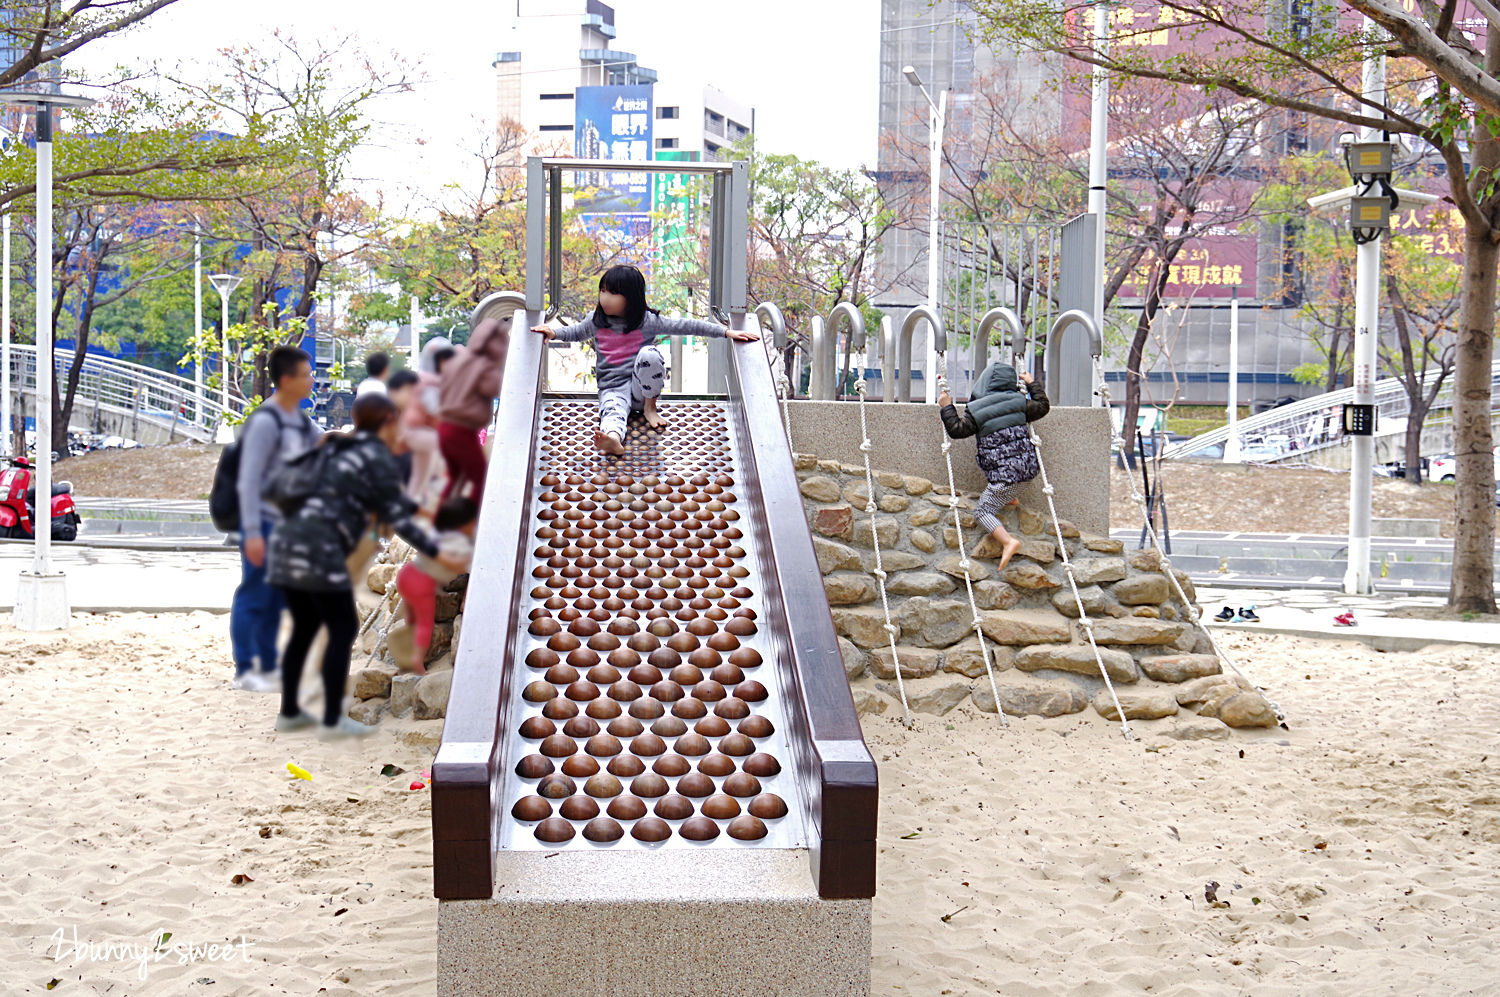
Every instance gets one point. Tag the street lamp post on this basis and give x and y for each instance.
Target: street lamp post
(934, 251)
(197, 326)
(5, 429)
(42, 597)
(1098, 146)
(224, 283)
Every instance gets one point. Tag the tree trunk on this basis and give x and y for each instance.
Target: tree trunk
(1414, 420)
(1472, 585)
(1133, 359)
(1411, 383)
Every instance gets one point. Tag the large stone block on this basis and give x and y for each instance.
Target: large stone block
(934, 623)
(1027, 695)
(1245, 708)
(1191, 728)
(380, 576)
(366, 711)
(834, 521)
(1203, 689)
(954, 566)
(923, 541)
(890, 479)
(924, 517)
(916, 662)
(449, 605)
(1142, 590)
(966, 658)
(1027, 575)
(404, 693)
(1138, 704)
(936, 697)
(804, 461)
(865, 627)
(845, 588)
(1135, 630)
(821, 489)
(1029, 522)
(857, 495)
(835, 556)
(854, 658)
(1146, 560)
(893, 503)
(1095, 602)
(920, 583)
(885, 528)
(1063, 529)
(868, 702)
(431, 699)
(1019, 627)
(1179, 667)
(1093, 570)
(894, 560)
(1079, 659)
(916, 485)
(1104, 545)
(372, 683)
(995, 595)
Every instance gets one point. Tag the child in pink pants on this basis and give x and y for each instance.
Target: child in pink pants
(419, 579)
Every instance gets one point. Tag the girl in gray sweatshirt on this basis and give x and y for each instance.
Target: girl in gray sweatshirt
(629, 368)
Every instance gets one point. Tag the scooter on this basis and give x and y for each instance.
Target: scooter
(18, 505)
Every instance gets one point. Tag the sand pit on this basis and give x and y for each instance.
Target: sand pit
(138, 786)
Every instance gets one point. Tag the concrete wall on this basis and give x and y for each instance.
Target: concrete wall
(908, 439)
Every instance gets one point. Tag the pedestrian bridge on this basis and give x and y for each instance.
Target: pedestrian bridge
(1310, 431)
(120, 398)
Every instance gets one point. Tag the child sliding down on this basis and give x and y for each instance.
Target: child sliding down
(998, 411)
(630, 369)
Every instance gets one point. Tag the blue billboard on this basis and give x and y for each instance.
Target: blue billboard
(613, 123)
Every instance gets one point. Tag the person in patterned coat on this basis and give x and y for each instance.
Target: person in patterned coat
(360, 486)
(999, 413)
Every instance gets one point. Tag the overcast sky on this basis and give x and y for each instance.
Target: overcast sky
(810, 69)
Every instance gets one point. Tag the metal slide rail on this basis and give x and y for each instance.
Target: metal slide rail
(1315, 423)
(155, 397)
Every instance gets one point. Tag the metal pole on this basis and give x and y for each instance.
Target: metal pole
(224, 347)
(5, 434)
(41, 562)
(197, 326)
(1232, 443)
(416, 346)
(1099, 137)
(1366, 326)
(934, 250)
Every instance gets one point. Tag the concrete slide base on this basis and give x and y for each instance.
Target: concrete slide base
(679, 922)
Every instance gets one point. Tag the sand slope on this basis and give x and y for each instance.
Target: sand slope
(137, 785)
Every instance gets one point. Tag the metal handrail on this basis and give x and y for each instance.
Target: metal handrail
(981, 343)
(821, 376)
(497, 305)
(769, 314)
(1073, 316)
(921, 313)
(154, 395)
(1312, 422)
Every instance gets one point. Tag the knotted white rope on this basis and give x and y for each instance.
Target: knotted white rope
(784, 392)
(1194, 611)
(391, 597)
(963, 555)
(865, 447)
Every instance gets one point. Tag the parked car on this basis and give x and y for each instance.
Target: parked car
(1445, 468)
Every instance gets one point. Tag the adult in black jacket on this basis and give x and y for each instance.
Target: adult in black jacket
(360, 485)
(999, 412)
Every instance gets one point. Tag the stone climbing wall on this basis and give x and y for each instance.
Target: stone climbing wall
(1161, 662)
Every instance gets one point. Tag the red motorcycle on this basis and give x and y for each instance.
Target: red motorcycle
(18, 505)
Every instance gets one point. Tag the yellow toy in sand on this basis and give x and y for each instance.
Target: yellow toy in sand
(298, 771)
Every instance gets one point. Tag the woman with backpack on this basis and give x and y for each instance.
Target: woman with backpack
(339, 490)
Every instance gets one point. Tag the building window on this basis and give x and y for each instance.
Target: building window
(556, 96)
(711, 149)
(737, 130)
(666, 143)
(666, 112)
(555, 128)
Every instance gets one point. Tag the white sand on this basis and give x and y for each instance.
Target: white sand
(136, 784)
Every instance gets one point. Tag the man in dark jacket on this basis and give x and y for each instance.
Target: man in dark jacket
(999, 412)
(274, 433)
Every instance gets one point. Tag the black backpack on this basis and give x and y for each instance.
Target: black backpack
(223, 495)
(297, 480)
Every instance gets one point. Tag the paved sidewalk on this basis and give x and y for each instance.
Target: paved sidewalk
(121, 580)
(1310, 613)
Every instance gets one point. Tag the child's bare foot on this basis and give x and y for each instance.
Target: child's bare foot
(417, 667)
(653, 418)
(608, 442)
(1008, 551)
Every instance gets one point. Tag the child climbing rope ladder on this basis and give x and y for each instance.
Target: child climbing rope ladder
(999, 412)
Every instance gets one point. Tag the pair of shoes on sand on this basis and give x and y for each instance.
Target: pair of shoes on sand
(343, 730)
(1245, 615)
(1344, 619)
(257, 681)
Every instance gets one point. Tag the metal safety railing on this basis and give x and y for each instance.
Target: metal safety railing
(1294, 431)
(149, 396)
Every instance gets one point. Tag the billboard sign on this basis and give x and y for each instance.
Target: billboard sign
(613, 123)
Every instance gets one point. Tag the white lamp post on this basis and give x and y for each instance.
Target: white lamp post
(42, 597)
(934, 251)
(5, 433)
(197, 326)
(224, 283)
(1098, 146)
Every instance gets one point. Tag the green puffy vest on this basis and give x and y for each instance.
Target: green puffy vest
(996, 401)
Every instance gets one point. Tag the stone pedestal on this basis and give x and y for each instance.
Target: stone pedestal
(42, 602)
(683, 921)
